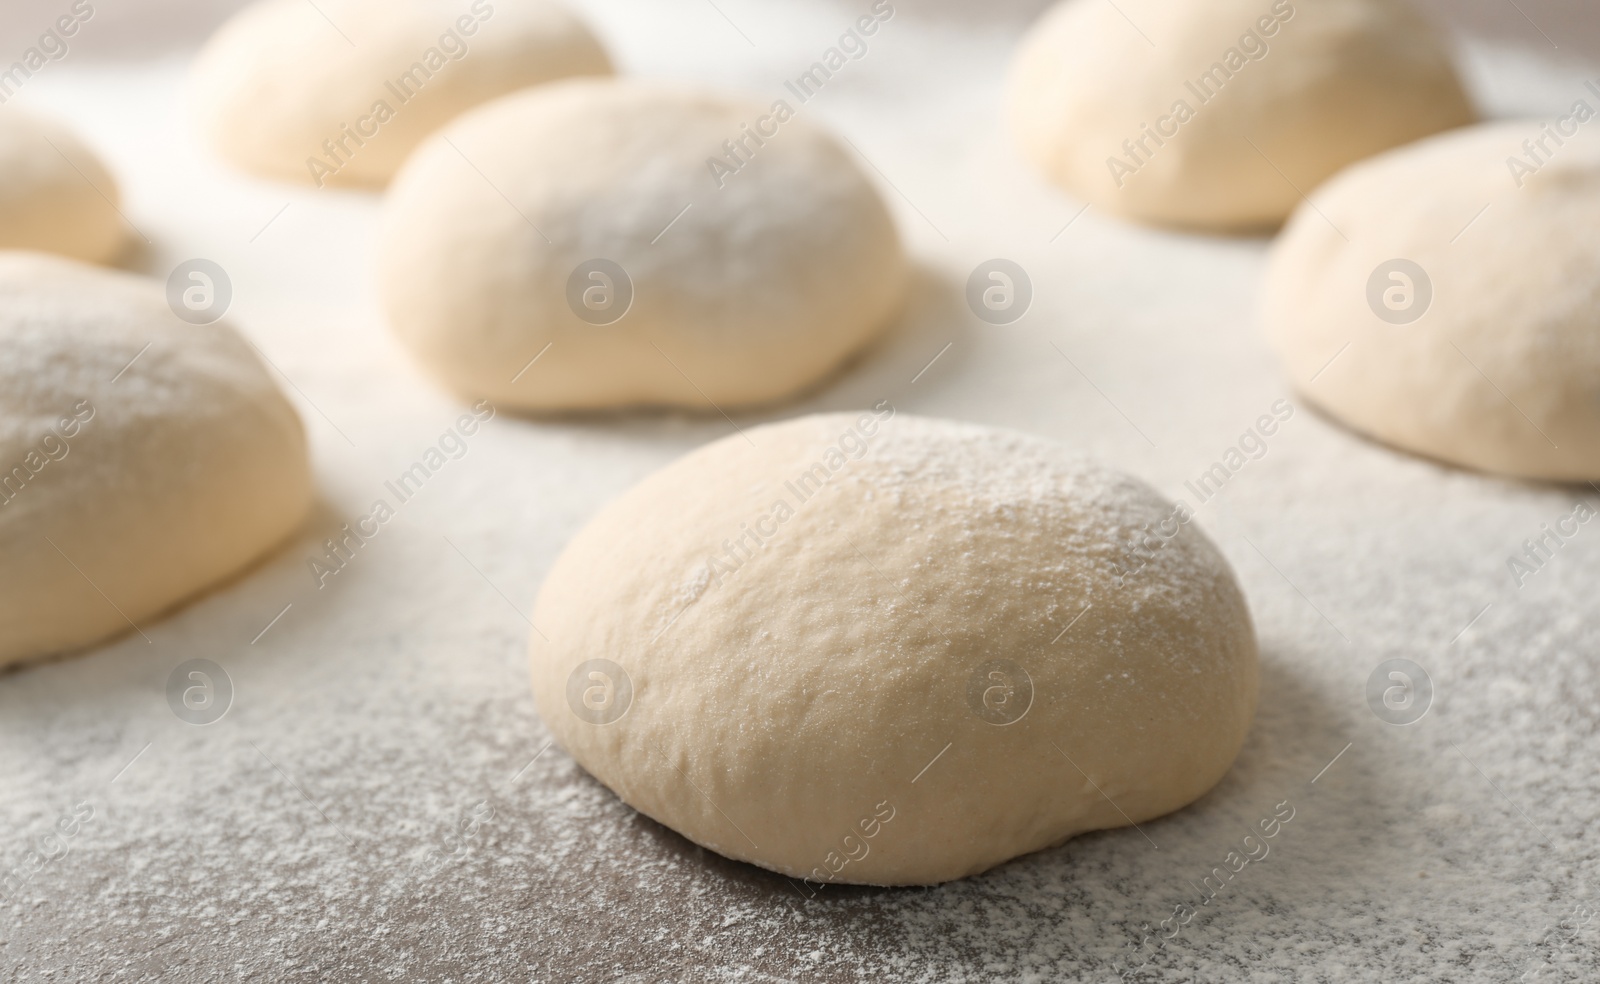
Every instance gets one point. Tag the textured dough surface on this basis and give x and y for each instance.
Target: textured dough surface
(55, 194)
(170, 477)
(758, 289)
(1327, 83)
(283, 76)
(794, 701)
(1502, 371)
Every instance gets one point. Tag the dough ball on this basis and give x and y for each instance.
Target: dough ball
(1149, 108)
(845, 650)
(142, 459)
(341, 91)
(733, 286)
(1445, 298)
(55, 195)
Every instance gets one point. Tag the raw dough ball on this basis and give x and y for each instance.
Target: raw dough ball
(1452, 312)
(55, 195)
(767, 279)
(1152, 115)
(798, 624)
(341, 91)
(158, 456)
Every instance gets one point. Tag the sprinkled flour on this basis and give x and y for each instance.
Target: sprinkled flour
(379, 804)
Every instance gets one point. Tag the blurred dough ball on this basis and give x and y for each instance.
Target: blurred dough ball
(728, 285)
(142, 459)
(840, 649)
(1445, 298)
(55, 194)
(341, 91)
(1149, 108)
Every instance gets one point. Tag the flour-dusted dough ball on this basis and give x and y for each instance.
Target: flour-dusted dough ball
(745, 275)
(1217, 114)
(890, 650)
(1445, 298)
(341, 91)
(55, 195)
(142, 459)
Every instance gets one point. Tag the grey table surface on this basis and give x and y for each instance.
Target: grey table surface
(316, 832)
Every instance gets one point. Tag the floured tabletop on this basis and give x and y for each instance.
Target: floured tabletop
(382, 803)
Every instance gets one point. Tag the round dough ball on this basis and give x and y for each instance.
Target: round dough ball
(142, 459)
(845, 650)
(734, 287)
(55, 194)
(1430, 302)
(341, 91)
(1149, 108)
